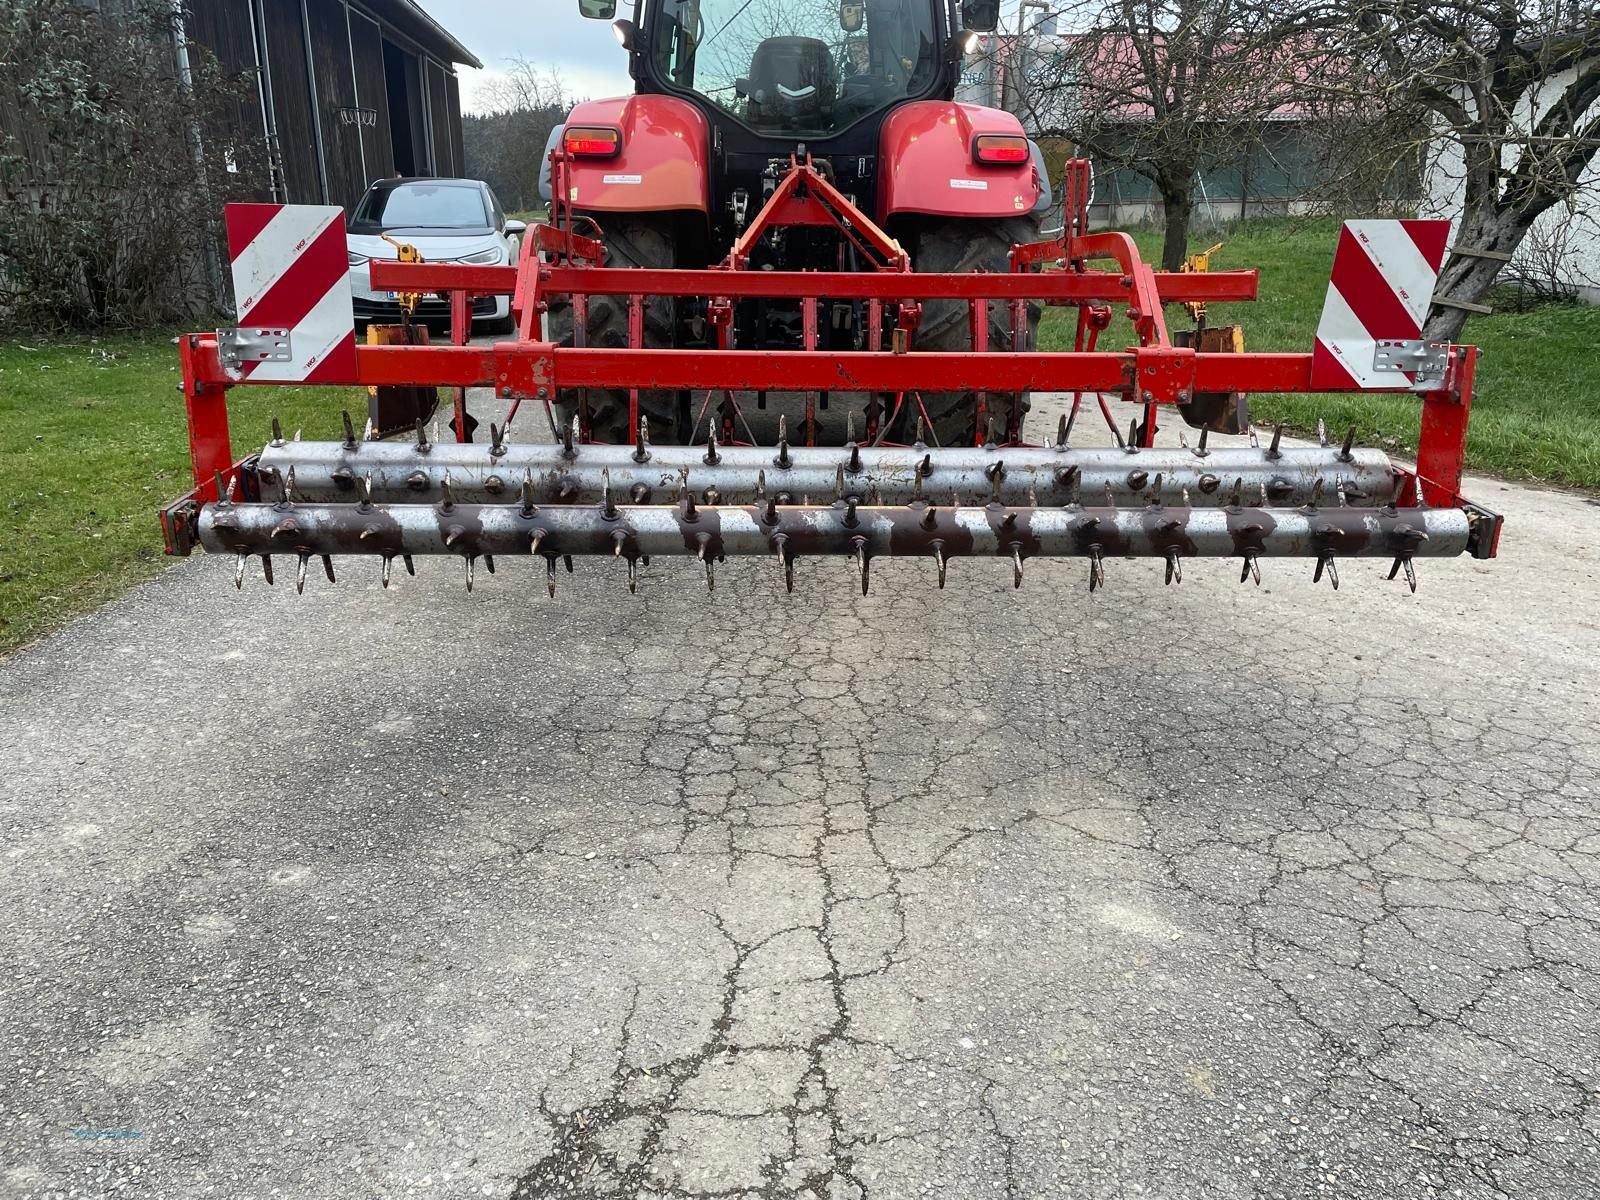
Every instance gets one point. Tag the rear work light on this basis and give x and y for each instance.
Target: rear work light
(587, 142)
(1001, 149)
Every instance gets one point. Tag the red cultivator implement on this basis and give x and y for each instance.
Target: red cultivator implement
(885, 486)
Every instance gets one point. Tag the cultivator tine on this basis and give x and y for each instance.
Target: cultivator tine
(1174, 568)
(1252, 569)
(1325, 563)
(1404, 562)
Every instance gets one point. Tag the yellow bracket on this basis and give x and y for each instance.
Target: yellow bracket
(408, 254)
(1199, 263)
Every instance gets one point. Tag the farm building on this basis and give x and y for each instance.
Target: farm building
(347, 91)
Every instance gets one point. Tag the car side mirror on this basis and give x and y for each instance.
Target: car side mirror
(981, 15)
(515, 228)
(598, 10)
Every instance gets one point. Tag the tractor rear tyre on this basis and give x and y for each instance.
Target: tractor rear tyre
(631, 240)
(963, 247)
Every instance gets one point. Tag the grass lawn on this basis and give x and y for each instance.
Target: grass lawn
(1536, 412)
(92, 442)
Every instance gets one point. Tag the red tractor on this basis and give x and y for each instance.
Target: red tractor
(728, 94)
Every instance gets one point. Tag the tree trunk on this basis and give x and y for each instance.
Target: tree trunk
(1467, 277)
(1179, 205)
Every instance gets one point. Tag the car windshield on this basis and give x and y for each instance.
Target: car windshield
(457, 207)
(797, 66)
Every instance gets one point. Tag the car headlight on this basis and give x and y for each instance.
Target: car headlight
(358, 260)
(495, 254)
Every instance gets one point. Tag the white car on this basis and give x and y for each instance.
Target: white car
(447, 220)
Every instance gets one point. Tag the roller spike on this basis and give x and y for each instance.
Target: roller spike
(1074, 485)
(1255, 442)
(853, 465)
(388, 565)
(496, 440)
(925, 467)
(1183, 442)
(996, 471)
(447, 496)
(1345, 451)
(940, 561)
(1251, 569)
(1325, 563)
(550, 574)
(365, 485)
(712, 458)
(1273, 450)
(453, 535)
(783, 460)
(988, 435)
(422, 438)
(1200, 447)
(1174, 568)
(300, 575)
(244, 557)
(1033, 496)
(1061, 430)
(849, 427)
(277, 432)
(916, 486)
(327, 567)
(349, 430)
(633, 575)
(641, 447)
(1422, 501)
(1236, 497)
(566, 561)
(1403, 561)
(1155, 490)
(1116, 435)
(619, 538)
(1264, 500)
(569, 449)
(470, 560)
(1016, 567)
(690, 513)
(608, 507)
(863, 561)
(535, 541)
(435, 432)
(850, 518)
(761, 484)
(266, 568)
(297, 434)
(223, 493)
(410, 564)
(921, 437)
(706, 560)
(1322, 433)
(1111, 499)
(1072, 415)
(287, 489)
(1316, 492)
(488, 563)
(1185, 494)
(1097, 570)
(528, 506)
(1133, 436)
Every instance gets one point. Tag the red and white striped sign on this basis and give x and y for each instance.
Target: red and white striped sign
(1384, 273)
(291, 271)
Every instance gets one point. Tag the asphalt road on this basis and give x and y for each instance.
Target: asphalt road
(1192, 892)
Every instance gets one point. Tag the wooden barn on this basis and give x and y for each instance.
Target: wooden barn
(348, 91)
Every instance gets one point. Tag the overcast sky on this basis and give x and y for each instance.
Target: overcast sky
(547, 32)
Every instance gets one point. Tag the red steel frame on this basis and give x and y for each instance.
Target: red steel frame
(558, 260)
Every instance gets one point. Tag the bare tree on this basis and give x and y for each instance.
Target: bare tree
(1163, 88)
(1500, 99)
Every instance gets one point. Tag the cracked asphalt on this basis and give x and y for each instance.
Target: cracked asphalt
(1201, 891)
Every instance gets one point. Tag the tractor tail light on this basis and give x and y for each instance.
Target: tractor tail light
(587, 142)
(1001, 150)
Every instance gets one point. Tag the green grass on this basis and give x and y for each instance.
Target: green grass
(92, 442)
(1536, 412)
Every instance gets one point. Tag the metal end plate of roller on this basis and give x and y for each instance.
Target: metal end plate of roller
(390, 500)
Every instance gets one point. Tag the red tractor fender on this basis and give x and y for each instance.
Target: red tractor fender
(662, 164)
(926, 152)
